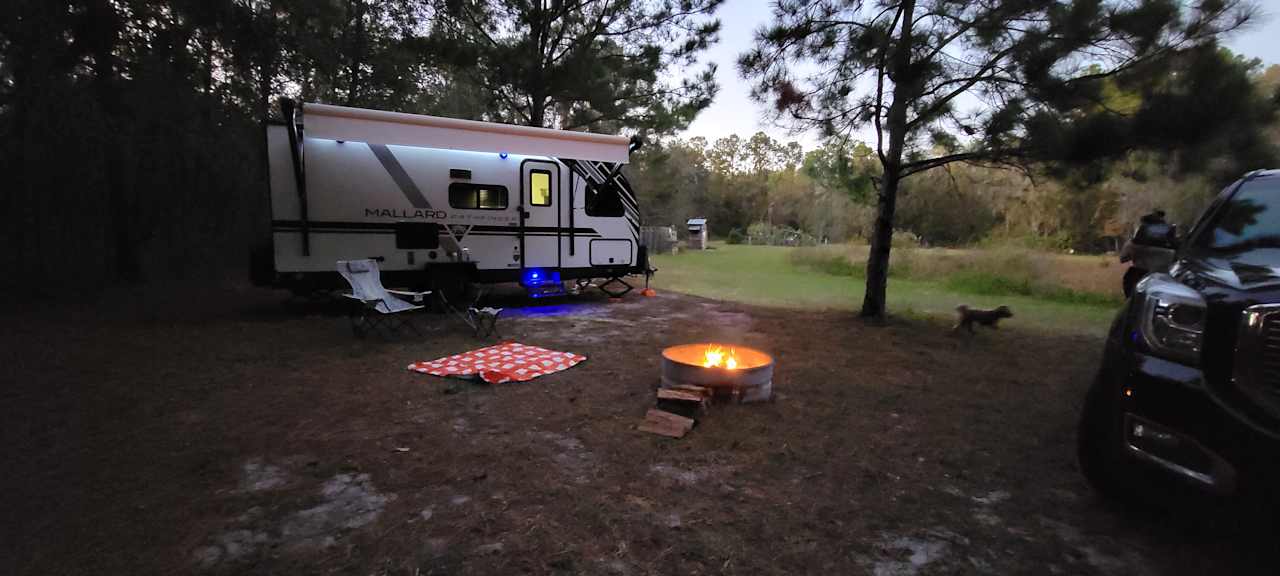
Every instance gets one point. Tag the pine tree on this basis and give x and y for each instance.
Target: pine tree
(1001, 82)
(598, 64)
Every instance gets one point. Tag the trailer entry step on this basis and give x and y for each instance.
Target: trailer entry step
(546, 289)
(542, 283)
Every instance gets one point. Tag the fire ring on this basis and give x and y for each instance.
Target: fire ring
(743, 373)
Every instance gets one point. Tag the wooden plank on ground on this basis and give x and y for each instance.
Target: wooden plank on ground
(667, 429)
(663, 417)
(699, 390)
(679, 395)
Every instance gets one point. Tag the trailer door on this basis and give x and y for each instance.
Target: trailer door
(540, 203)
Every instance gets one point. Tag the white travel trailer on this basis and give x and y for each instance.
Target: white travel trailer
(445, 202)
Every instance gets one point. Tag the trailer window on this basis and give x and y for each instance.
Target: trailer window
(468, 196)
(540, 188)
(603, 201)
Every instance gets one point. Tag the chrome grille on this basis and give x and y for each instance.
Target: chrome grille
(1257, 362)
(1269, 363)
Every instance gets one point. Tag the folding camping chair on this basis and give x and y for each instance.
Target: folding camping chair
(377, 306)
(484, 321)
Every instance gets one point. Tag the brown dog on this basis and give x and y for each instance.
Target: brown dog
(966, 317)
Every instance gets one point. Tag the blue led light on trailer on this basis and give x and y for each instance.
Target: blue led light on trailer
(540, 276)
(502, 155)
(531, 277)
(542, 283)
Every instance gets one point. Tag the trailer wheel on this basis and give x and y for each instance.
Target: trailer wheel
(262, 266)
(304, 287)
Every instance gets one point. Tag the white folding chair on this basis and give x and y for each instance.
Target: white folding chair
(377, 305)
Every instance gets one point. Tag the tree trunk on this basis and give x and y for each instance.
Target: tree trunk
(19, 236)
(356, 49)
(207, 80)
(537, 111)
(873, 301)
(266, 62)
(266, 71)
(120, 209)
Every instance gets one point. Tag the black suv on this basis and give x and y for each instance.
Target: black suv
(1190, 381)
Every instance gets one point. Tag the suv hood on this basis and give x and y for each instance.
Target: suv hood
(1249, 274)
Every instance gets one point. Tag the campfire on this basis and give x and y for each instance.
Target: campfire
(715, 357)
(694, 374)
(742, 373)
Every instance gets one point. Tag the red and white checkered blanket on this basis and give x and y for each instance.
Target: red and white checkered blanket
(507, 362)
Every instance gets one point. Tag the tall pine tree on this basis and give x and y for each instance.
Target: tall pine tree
(1005, 82)
(602, 65)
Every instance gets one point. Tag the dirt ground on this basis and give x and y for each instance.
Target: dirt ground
(260, 437)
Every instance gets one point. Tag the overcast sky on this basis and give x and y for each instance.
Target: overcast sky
(734, 112)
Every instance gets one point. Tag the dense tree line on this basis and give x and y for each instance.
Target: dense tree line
(132, 146)
(829, 192)
(738, 182)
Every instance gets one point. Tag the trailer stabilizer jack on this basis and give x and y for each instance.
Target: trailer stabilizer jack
(616, 291)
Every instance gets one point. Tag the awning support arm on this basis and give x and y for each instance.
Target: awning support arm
(290, 111)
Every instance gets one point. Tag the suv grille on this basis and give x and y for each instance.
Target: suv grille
(1257, 362)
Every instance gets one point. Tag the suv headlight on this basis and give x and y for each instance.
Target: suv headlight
(1172, 318)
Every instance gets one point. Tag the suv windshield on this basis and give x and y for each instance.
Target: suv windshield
(1249, 219)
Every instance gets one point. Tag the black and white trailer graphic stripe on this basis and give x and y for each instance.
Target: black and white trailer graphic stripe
(390, 228)
(398, 174)
(608, 176)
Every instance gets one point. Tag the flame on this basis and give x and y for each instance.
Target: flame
(715, 357)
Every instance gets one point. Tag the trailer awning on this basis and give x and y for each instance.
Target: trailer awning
(380, 127)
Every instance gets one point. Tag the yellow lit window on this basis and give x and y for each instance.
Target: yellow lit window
(540, 188)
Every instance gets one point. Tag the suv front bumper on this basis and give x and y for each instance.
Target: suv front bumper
(1171, 421)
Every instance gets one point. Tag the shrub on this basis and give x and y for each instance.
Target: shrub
(1058, 242)
(904, 239)
(766, 234)
(993, 272)
(946, 207)
(736, 236)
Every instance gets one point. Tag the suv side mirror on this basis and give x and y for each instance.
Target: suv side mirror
(1157, 234)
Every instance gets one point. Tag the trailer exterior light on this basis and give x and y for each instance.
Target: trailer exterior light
(535, 277)
(502, 155)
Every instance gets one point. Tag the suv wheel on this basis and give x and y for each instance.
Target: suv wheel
(1099, 441)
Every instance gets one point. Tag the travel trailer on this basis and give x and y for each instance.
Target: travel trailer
(446, 202)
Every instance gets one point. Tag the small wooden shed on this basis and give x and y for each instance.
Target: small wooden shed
(697, 233)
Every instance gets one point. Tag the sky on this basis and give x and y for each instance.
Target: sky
(734, 112)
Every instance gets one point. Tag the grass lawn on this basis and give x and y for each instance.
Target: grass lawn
(763, 275)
